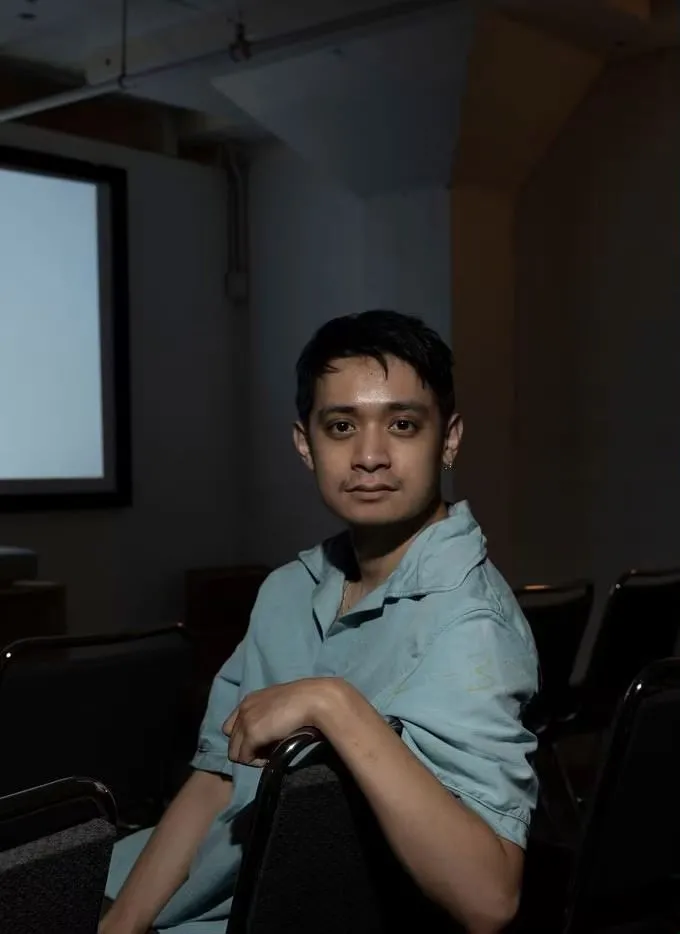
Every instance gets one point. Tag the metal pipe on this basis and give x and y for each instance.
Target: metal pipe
(237, 267)
(275, 43)
(54, 101)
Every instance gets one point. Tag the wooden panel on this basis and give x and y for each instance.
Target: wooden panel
(522, 86)
(483, 322)
(218, 603)
(640, 8)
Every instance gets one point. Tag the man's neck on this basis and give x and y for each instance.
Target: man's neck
(379, 550)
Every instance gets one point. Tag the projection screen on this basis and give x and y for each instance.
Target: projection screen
(64, 380)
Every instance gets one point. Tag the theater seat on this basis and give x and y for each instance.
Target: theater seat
(316, 859)
(55, 848)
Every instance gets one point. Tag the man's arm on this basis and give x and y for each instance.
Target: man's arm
(164, 863)
(453, 855)
(454, 796)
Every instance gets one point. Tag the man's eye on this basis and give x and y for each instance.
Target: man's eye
(404, 424)
(340, 428)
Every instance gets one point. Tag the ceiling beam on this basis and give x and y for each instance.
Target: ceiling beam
(200, 36)
(269, 26)
(115, 119)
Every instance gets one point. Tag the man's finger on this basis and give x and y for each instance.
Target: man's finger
(252, 751)
(246, 749)
(228, 727)
(235, 741)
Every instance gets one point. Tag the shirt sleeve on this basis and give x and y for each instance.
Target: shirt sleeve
(212, 754)
(462, 714)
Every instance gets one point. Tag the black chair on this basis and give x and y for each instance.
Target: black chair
(112, 707)
(640, 623)
(558, 616)
(627, 876)
(55, 849)
(315, 858)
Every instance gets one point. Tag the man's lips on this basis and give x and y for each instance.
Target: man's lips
(371, 488)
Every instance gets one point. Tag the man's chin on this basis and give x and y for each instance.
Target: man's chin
(373, 522)
(379, 514)
(371, 514)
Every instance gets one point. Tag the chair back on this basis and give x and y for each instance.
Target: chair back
(107, 706)
(315, 858)
(628, 867)
(55, 849)
(640, 624)
(218, 604)
(558, 616)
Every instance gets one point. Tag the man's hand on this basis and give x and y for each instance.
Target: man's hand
(266, 717)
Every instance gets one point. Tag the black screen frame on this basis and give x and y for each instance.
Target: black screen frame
(116, 180)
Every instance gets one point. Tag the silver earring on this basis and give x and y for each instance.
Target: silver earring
(448, 465)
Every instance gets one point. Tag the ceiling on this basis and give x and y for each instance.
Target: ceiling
(319, 69)
(82, 38)
(174, 48)
(78, 35)
(396, 89)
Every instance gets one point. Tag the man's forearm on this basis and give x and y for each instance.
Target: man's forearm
(453, 855)
(165, 861)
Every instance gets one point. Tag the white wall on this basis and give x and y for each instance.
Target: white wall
(124, 568)
(318, 251)
(207, 489)
(407, 255)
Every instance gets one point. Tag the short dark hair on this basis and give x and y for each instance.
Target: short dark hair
(377, 334)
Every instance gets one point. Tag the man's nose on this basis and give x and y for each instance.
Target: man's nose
(371, 450)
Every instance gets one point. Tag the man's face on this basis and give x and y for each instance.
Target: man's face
(376, 442)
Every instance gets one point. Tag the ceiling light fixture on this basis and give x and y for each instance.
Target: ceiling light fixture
(240, 50)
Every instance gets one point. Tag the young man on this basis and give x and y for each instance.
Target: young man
(402, 615)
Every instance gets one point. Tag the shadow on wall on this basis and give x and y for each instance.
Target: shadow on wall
(322, 252)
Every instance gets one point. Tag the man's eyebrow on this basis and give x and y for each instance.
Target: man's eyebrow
(407, 405)
(328, 410)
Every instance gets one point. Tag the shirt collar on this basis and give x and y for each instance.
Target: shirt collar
(438, 560)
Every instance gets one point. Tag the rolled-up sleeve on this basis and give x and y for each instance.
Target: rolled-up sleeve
(212, 754)
(462, 713)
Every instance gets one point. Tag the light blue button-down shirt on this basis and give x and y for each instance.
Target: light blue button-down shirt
(442, 645)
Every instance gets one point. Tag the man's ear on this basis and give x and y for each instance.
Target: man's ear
(302, 445)
(452, 440)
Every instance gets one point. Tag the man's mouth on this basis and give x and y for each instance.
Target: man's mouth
(371, 488)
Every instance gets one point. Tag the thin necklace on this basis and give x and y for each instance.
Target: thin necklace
(345, 598)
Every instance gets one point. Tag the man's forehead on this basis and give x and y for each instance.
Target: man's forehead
(369, 370)
(364, 381)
